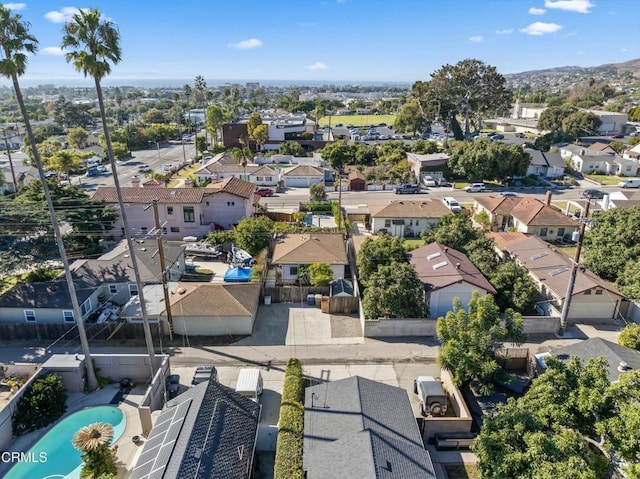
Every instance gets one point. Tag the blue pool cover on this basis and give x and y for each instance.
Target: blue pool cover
(238, 275)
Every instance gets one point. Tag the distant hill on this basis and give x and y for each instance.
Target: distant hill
(632, 66)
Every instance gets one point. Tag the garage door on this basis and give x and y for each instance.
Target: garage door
(591, 310)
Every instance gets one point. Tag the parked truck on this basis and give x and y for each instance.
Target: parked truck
(432, 396)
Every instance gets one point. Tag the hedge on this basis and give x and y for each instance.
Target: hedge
(289, 448)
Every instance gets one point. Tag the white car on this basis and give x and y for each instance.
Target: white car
(474, 188)
(101, 169)
(144, 168)
(167, 167)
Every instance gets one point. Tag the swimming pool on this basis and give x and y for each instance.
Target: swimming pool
(62, 459)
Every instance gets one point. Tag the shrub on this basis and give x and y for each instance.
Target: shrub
(630, 336)
(289, 449)
(43, 403)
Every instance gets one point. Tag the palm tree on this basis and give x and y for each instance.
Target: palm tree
(94, 441)
(15, 40)
(92, 44)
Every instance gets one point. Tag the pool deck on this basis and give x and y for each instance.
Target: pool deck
(127, 450)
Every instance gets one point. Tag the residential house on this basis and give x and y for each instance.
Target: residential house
(527, 215)
(601, 148)
(256, 174)
(603, 161)
(184, 211)
(546, 164)
(432, 162)
(214, 309)
(292, 251)
(107, 279)
(407, 217)
(447, 274)
(358, 428)
(632, 153)
(592, 299)
(620, 359)
(209, 431)
(620, 199)
(303, 176)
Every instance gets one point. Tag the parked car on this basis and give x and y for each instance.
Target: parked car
(474, 188)
(519, 135)
(617, 135)
(144, 168)
(429, 181)
(634, 133)
(167, 167)
(407, 188)
(497, 136)
(593, 194)
(452, 204)
(264, 192)
(101, 169)
(629, 184)
(508, 194)
(93, 171)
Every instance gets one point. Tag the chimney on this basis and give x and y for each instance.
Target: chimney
(446, 249)
(547, 198)
(458, 265)
(187, 183)
(135, 181)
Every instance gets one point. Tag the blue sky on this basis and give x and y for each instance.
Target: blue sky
(339, 40)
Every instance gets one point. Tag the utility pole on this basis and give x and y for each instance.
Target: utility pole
(163, 269)
(574, 271)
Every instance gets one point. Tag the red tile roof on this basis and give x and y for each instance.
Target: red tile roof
(234, 186)
(529, 211)
(147, 195)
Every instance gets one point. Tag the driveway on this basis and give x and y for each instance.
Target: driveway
(293, 324)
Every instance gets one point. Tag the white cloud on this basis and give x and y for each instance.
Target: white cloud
(245, 44)
(53, 51)
(15, 6)
(61, 16)
(506, 31)
(580, 6)
(476, 39)
(541, 28)
(317, 66)
(536, 11)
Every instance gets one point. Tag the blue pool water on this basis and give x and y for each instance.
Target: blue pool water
(62, 459)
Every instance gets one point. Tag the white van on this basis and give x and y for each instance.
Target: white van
(250, 383)
(629, 184)
(452, 204)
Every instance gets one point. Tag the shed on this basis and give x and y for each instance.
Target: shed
(357, 181)
(341, 288)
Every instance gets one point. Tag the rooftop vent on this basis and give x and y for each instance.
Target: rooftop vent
(623, 367)
(440, 265)
(536, 256)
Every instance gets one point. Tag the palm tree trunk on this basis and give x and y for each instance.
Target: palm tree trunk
(92, 381)
(127, 234)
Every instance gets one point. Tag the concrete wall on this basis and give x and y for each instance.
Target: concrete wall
(120, 366)
(6, 426)
(461, 421)
(399, 327)
(541, 324)
(154, 398)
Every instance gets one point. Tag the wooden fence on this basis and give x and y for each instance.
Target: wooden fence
(69, 332)
(279, 216)
(293, 294)
(343, 305)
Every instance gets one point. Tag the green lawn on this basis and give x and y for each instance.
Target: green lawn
(467, 471)
(411, 244)
(357, 120)
(607, 180)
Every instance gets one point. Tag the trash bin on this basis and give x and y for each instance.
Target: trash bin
(311, 300)
(267, 299)
(318, 299)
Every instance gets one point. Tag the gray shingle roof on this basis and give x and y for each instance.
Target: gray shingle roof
(367, 427)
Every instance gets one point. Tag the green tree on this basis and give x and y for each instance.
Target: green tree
(394, 291)
(154, 116)
(581, 123)
(482, 254)
(254, 121)
(552, 117)
(318, 192)
(612, 243)
(65, 161)
(260, 135)
(454, 231)
(44, 402)
(410, 119)
(484, 159)
(77, 137)
(516, 289)
(92, 44)
(630, 336)
(214, 121)
(201, 144)
(292, 148)
(338, 154)
(120, 150)
(320, 274)
(16, 42)
(384, 251)
(253, 234)
(469, 340)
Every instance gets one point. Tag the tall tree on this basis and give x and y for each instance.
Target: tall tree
(64, 162)
(93, 44)
(215, 120)
(454, 231)
(551, 118)
(338, 154)
(490, 160)
(469, 339)
(384, 251)
(77, 137)
(16, 42)
(394, 291)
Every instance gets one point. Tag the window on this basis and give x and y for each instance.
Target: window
(30, 315)
(85, 308)
(387, 223)
(133, 289)
(189, 214)
(169, 210)
(268, 178)
(164, 230)
(560, 231)
(293, 270)
(543, 231)
(68, 317)
(175, 229)
(113, 289)
(231, 203)
(144, 230)
(598, 292)
(587, 291)
(259, 178)
(410, 222)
